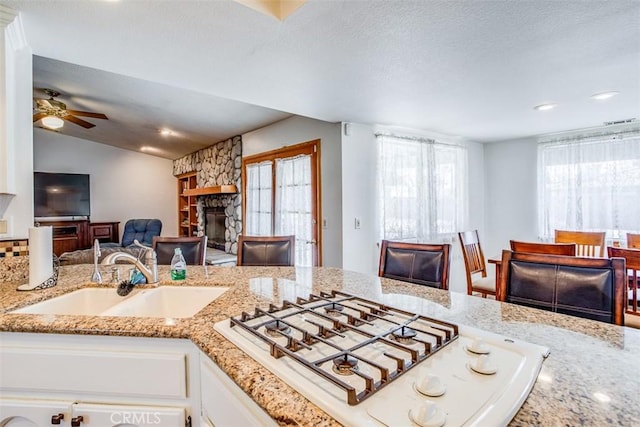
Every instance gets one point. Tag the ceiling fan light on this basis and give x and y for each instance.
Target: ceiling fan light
(52, 122)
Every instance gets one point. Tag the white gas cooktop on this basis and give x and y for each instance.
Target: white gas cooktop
(369, 364)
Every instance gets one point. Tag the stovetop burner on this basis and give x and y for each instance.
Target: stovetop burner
(276, 328)
(345, 365)
(404, 335)
(334, 309)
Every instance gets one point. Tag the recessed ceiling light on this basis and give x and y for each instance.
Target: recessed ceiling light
(544, 107)
(149, 149)
(166, 132)
(604, 95)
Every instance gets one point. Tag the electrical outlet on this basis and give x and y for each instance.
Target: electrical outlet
(3, 226)
(356, 223)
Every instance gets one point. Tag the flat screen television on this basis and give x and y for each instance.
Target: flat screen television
(61, 194)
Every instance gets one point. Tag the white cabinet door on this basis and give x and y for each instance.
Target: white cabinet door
(34, 413)
(224, 404)
(92, 415)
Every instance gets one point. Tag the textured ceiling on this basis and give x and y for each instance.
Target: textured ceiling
(473, 69)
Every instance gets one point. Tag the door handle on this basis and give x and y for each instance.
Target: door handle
(76, 421)
(56, 419)
(311, 242)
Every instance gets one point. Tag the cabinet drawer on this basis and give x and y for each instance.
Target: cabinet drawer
(103, 231)
(138, 374)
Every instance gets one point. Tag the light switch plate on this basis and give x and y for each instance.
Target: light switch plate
(3, 226)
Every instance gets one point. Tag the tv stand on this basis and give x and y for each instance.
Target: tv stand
(72, 235)
(69, 235)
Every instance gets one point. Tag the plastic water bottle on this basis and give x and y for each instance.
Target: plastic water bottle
(178, 266)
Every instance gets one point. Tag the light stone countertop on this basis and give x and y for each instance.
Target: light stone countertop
(590, 377)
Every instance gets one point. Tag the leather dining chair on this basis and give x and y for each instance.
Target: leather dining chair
(588, 243)
(632, 258)
(566, 249)
(419, 263)
(633, 241)
(194, 249)
(592, 288)
(266, 250)
(474, 264)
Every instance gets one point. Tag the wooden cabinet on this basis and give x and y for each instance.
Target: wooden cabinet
(68, 235)
(105, 232)
(187, 206)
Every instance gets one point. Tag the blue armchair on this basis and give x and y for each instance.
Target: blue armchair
(141, 229)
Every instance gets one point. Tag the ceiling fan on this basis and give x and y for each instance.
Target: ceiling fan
(52, 112)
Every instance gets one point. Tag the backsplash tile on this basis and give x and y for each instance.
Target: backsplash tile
(14, 260)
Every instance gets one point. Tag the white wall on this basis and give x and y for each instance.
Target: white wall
(361, 252)
(360, 248)
(299, 129)
(124, 184)
(511, 189)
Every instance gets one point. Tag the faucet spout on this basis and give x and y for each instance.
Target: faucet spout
(149, 271)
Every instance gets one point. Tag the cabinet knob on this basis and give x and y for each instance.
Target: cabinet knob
(76, 421)
(56, 419)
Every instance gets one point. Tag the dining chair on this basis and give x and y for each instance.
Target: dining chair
(588, 243)
(194, 249)
(474, 263)
(567, 249)
(633, 241)
(592, 288)
(632, 258)
(266, 250)
(419, 263)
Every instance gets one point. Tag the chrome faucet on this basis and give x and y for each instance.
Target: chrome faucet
(96, 277)
(150, 267)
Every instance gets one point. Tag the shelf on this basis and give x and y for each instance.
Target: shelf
(218, 189)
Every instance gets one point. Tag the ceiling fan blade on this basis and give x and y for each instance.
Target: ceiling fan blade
(88, 114)
(78, 121)
(38, 116)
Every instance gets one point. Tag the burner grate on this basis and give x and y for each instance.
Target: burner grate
(347, 327)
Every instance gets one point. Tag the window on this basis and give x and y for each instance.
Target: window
(422, 187)
(590, 184)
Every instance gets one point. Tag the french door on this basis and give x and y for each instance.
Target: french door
(282, 197)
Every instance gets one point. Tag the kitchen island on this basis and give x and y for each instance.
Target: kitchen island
(588, 379)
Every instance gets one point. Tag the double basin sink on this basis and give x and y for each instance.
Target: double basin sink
(164, 301)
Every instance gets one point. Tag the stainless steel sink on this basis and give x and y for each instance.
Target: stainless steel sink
(164, 301)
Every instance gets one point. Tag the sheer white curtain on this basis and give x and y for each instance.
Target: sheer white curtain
(258, 199)
(422, 189)
(590, 184)
(293, 204)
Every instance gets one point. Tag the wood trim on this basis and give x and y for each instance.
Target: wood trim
(217, 189)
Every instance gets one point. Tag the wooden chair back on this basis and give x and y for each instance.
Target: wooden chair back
(419, 263)
(194, 249)
(633, 241)
(266, 250)
(474, 261)
(632, 258)
(589, 243)
(566, 249)
(591, 288)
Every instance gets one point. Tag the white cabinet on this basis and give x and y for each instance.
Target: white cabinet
(117, 381)
(224, 404)
(92, 415)
(34, 413)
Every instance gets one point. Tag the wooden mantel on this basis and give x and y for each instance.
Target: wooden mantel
(217, 189)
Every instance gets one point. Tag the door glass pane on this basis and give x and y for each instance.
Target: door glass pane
(259, 209)
(293, 205)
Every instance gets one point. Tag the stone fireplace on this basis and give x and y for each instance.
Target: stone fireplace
(219, 215)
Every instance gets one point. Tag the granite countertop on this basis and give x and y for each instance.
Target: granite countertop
(589, 378)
